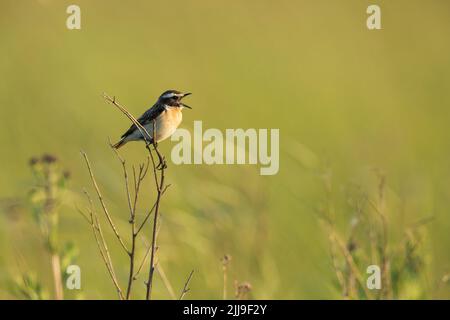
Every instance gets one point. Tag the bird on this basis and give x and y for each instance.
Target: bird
(165, 114)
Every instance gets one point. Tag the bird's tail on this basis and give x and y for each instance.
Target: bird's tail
(119, 144)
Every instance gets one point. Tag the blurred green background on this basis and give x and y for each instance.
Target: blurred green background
(347, 101)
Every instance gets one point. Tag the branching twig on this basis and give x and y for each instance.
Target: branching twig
(142, 263)
(150, 212)
(101, 244)
(139, 126)
(132, 208)
(159, 184)
(147, 252)
(185, 288)
(102, 202)
(334, 237)
(160, 190)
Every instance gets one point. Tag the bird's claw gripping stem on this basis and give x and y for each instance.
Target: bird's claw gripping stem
(162, 163)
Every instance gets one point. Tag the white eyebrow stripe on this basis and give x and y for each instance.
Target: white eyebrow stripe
(170, 95)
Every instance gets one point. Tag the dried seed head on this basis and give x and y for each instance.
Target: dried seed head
(66, 174)
(351, 246)
(48, 158)
(226, 259)
(33, 161)
(243, 289)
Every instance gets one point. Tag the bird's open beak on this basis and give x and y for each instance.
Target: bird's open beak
(185, 105)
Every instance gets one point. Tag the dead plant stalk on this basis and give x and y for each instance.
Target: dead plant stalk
(160, 189)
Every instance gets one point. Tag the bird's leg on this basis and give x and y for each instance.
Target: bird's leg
(162, 161)
(162, 164)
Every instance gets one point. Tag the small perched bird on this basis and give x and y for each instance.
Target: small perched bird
(165, 114)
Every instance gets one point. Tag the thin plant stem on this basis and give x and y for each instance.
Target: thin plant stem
(101, 244)
(56, 267)
(166, 281)
(102, 202)
(186, 286)
(159, 184)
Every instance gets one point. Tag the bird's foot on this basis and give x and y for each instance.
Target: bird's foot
(162, 164)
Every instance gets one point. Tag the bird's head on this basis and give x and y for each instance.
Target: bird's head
(172, 98)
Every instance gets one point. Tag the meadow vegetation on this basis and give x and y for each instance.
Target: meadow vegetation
(363, 174)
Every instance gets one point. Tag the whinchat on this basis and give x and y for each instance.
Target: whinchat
(165, 114)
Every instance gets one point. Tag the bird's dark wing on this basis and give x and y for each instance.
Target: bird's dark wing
(147, 117)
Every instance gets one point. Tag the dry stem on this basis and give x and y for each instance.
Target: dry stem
(186, 286)
(159, 184)
(102, 202)
(101, 244)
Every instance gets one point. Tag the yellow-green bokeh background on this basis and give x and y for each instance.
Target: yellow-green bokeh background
(341, 95)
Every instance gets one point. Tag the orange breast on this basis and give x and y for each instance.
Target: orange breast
(167, 123)
(174, 116)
